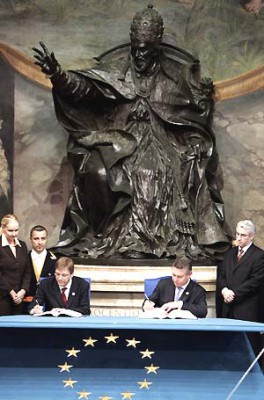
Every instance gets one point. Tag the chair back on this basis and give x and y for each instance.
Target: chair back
(151, 283)
(89, 290)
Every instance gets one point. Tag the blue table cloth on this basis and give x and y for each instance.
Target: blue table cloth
(111, 358)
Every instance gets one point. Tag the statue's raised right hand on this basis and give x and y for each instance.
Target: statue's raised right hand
(46, 60)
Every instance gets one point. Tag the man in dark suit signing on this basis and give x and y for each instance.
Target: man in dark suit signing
(179, 291)
(63, 290)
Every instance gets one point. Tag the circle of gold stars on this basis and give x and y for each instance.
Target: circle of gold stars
(128, 394)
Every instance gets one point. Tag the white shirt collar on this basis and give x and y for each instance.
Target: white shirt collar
(245, 248)
(184, 286)
(6, 243)
(67, 286)
(41, 255)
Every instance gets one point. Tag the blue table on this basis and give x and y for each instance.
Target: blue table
(111, 358)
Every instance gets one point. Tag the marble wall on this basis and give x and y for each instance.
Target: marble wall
(42, 174)
(239, 127)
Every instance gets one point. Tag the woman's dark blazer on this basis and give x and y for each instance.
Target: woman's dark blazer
(14, 271)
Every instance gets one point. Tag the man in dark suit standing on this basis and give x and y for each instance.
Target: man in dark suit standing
(62, 291)
(241, 279)
(42, 261)
(241, 276)
(179, 292)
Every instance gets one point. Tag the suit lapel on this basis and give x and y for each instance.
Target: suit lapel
(187, 290)
(72, 293)
(7, 249)
(231, 263)
(171, 290)
(46, 266)
(245, 257)
(57, 293)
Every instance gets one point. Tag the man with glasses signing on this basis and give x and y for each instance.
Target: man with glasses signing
(63, 290)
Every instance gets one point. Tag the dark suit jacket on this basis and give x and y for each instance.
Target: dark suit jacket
(48, 293)
(47, 270)
(14, 271)
(193, 297)
(245, 278)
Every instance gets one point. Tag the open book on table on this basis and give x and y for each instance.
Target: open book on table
(56, 312)
(162, 314)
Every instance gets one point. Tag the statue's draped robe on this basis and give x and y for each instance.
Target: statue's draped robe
(144, 160)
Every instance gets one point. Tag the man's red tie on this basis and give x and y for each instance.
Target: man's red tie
(240, 254)
(63, 295)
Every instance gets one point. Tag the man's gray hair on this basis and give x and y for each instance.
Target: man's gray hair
(248, 226)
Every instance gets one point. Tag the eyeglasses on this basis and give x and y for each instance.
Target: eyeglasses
(61, 275)
(242, 235)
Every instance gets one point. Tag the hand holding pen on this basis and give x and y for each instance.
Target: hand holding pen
(37, 309)
(148, 304)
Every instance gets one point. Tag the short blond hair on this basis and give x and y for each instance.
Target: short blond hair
(65, 262)
(6, 219)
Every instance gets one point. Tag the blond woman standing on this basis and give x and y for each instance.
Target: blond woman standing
(14, 267)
